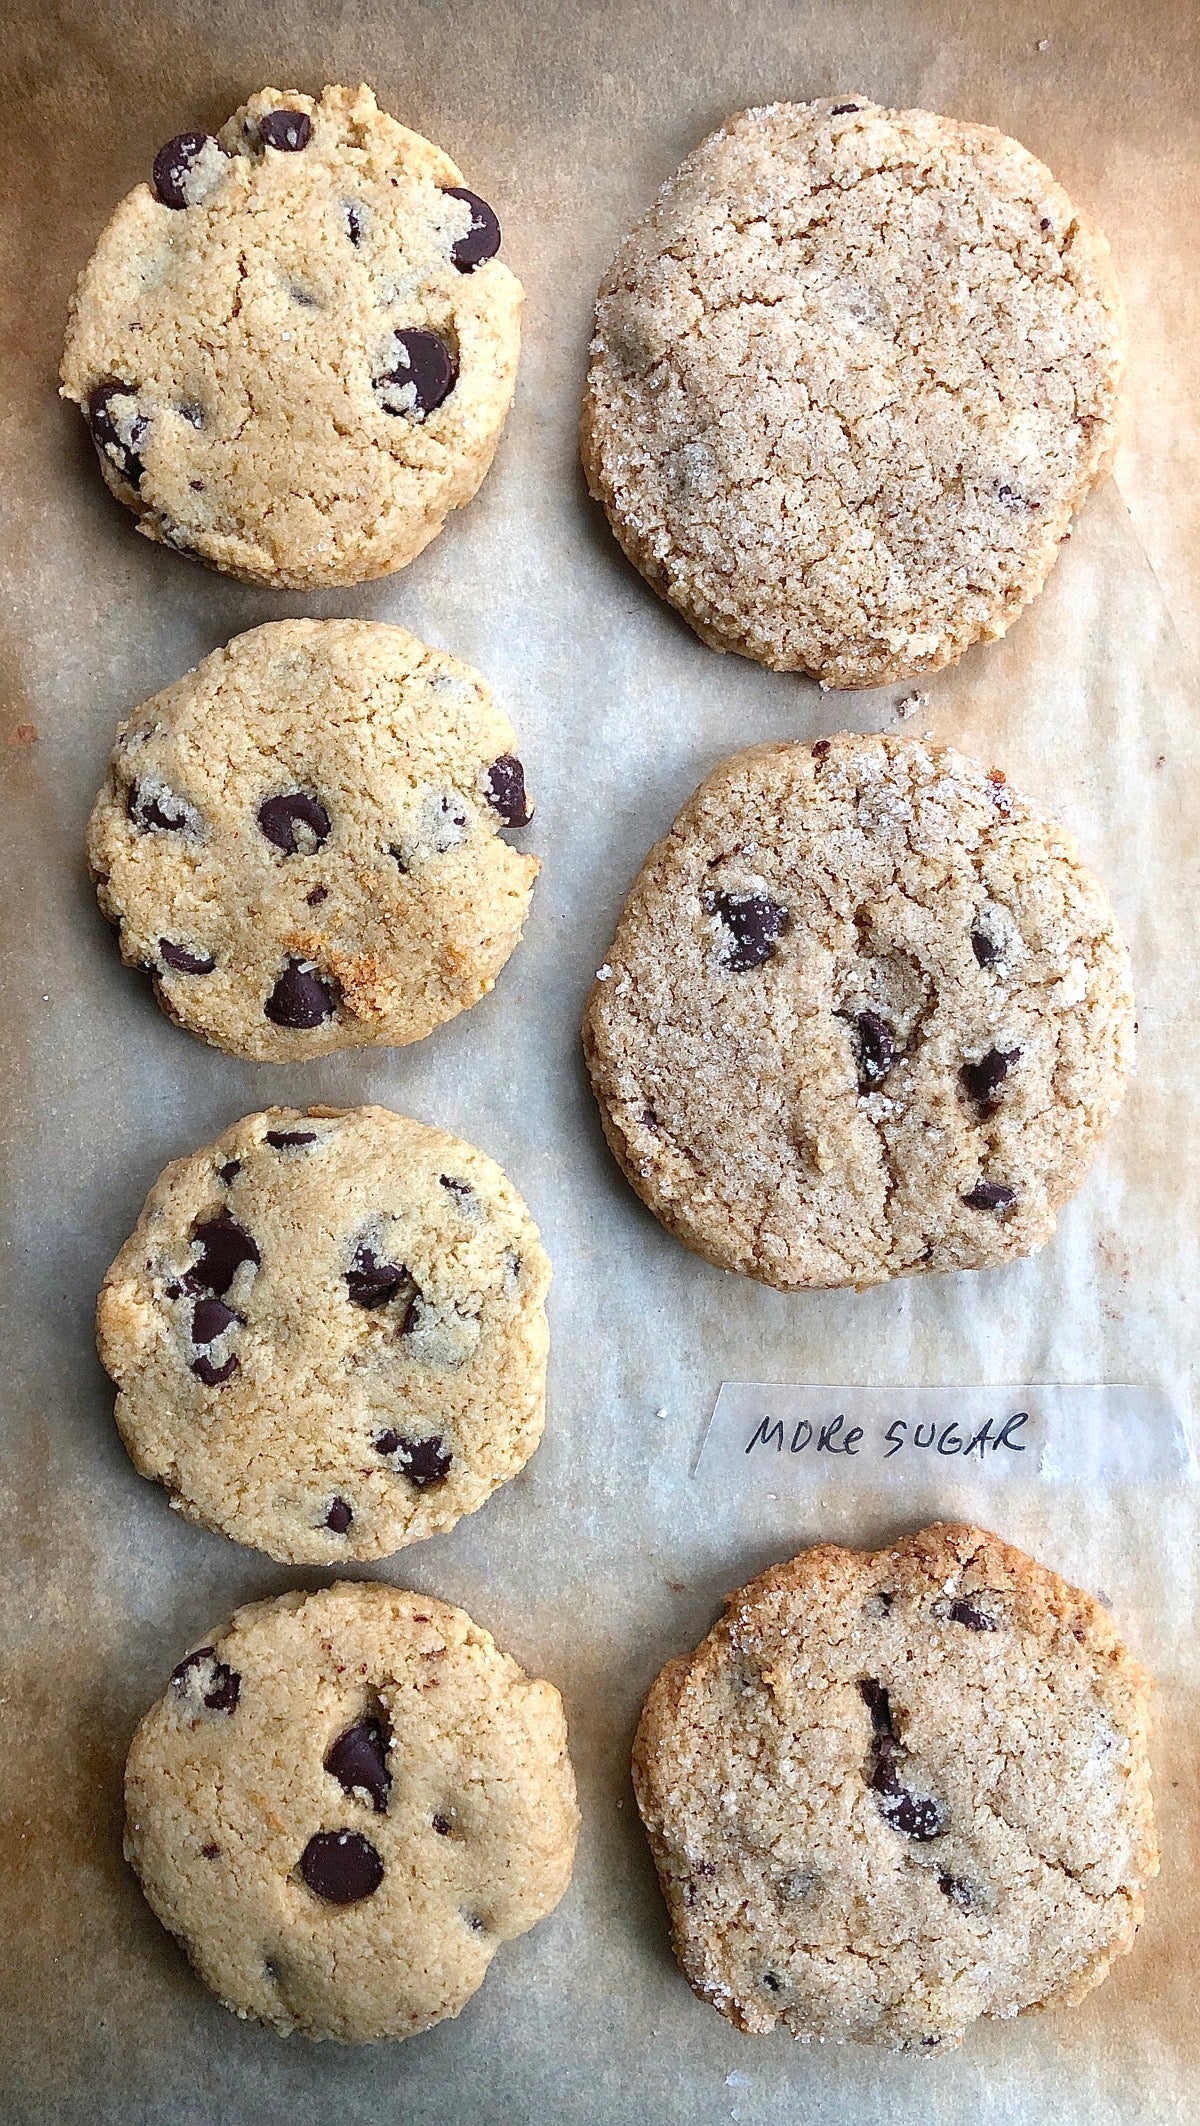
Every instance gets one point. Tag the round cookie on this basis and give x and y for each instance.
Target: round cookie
(301, 840)
(345, 1804)
(850, 378)
(328, 1333)
(296, 347)
(865, 1014)
(892, 1792)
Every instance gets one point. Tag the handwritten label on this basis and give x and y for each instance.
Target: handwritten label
(776, 1433)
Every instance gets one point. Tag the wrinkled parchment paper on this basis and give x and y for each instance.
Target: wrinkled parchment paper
(604, 1558)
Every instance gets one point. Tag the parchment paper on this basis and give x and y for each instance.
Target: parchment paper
(603, 1558)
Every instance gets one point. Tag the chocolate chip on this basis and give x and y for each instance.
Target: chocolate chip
(193, 415)
(210, 1852)
(982, 1080)
(341, 1866)
(174, 163)
(443, 1826)
(174, 1291)
(210, 1319)
(917, 1816)
(840, 109)
(505, 790)
(289, 131)
(294, 822)
(990, 1196)
(359, 1759)
(1046, 222)
(422, 1461)
(875, 1698)
(215, 1376)
(217, 1683)
(1014, 501)
(301, 998)
(963, 1612)
(318, 894)
(224, 1247)
(772, 1983)
(456, 1188)
(183, 961)
(755, 925)
(371, 1282)
(425, 373)
(339, 1516)
(161, 809)
(474, 1921)
(284, 1140)
(986, 950)
(356, 222)
(229, 1172)
(960, 1892)
(482, 239)
(875, 1046)
(120, 450)
(399, 858)
(820, 749)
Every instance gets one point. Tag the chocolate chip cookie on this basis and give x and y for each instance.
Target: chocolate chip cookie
(850, 378)
(301, 841)
(295, 347)
(345, 1804)
(328, 1333)
(892, 1792)
(865, 1014)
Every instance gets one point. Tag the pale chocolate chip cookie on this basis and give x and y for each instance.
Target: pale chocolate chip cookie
(328, 1333)
(850, 378)
(866, 1014)
(295, 347)
(893, 1792)
(344, 1805)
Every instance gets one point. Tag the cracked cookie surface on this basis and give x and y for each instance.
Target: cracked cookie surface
(301, 840)
(328, 1333)
(894, 1791)
(296, 347)
(865, 1014)
(345, 1804)
(850, 378)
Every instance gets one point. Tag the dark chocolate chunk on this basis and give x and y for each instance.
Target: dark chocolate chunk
(160, 809)
(876, 1049)
(173, 163)
(194, 416)
(456, 1188)
(301, 998)
(318, 894)
(772, 1983)
(915, 1815)
(986, 950)
(443, 1826)
(121, 451)
(505, 789)
(962, 1611)
(217, 1683)
(339, 1516)
(424, 361)
(359, 1759)
(356, 222)
(294, 821)
(960, 1892)
(820, 749)
(284, 1140)
(214, 1376)
(1014, 501)
(990, 1196)
(289, 131)
(341, 1866)
(982, 1080)
(183, 961)
(482, 239)
(875, 1698)
(371, 1283)
(422, 1461)
(840, 109)
(210, 1319)
(210, 1852)
(229, 1172)
(224, 1247)
(755, 925)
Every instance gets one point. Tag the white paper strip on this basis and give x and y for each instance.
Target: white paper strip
(772, 1433)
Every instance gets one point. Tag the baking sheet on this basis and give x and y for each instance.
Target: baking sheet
(603, 1558)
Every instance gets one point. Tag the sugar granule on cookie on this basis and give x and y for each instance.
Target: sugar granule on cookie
(865, 1014)
(345, 1804)
(296, 346)
(850, 378)
(895, 1791)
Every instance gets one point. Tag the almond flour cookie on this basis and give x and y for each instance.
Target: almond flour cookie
(865, 1014)
(296, 347)
(300, 840)
(328, 1333)
(893, 1792)
(850, 378)
(345, 1804)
